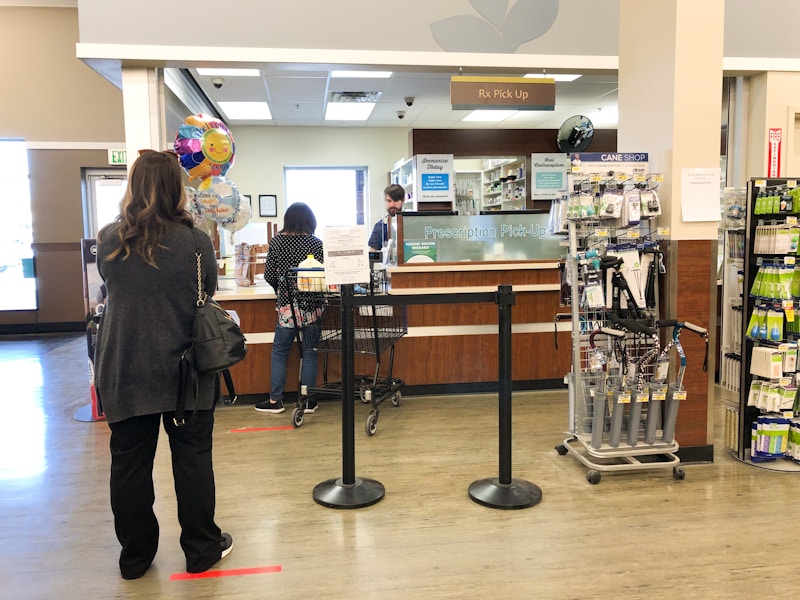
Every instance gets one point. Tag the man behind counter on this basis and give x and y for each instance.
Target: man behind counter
(394, 195)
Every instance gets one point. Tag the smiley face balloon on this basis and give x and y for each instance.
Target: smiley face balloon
(205, 147)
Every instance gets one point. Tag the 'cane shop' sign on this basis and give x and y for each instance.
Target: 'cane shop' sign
(774, 166)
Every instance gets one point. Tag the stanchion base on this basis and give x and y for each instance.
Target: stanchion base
(335, 494)
(86, 414)
(518, 494)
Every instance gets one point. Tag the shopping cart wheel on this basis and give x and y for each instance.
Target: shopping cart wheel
(372, 423)
(678, 473)
(593, 477)
(561, 449)
(397, 398)
(297, 415)
(362, 393)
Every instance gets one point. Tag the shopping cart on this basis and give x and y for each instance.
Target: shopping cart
(376, 329)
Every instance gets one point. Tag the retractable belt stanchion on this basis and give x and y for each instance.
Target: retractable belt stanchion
(503, 491)
(498, 492)
(349, 491)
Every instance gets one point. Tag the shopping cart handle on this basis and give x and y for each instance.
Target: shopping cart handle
(667, 323)
(696, 328)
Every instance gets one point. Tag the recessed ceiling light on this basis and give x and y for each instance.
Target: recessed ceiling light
(348, 111)
(229, 72)
(362, 74)
(555, 76)
(489, 115)
(250, 111)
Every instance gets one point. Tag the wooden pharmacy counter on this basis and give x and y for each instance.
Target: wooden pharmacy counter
(449, 348)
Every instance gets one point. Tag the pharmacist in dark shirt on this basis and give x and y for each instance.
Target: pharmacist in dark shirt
(394, 195)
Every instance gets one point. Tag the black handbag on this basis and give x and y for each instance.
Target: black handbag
(217, 344)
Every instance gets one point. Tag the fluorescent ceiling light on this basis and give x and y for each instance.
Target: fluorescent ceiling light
(250, 111)
(489, 115)
(348, 111)
(362, 74)
(555, 76)
(229, 72)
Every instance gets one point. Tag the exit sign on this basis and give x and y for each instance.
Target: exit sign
(118, 157)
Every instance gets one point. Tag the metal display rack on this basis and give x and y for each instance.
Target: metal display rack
(615, 401)
(376, 329)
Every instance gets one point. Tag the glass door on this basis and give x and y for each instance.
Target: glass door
(103, 191)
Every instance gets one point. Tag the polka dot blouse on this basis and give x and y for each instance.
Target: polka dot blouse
(286, 252)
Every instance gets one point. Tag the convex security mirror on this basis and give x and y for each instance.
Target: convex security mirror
(575, 134)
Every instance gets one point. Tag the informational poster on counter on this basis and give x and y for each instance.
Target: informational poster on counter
(436, 177)
(549, 176)
(346, 255)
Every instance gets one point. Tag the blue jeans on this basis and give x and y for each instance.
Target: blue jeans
(281, 345)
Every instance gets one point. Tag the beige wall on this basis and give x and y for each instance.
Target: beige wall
(774, 97)
(68, 115)
(48, 94)
(262, 152)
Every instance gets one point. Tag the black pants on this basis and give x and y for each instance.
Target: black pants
(133, 448)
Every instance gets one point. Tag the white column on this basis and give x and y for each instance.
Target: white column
(144, 107)
(670, 94)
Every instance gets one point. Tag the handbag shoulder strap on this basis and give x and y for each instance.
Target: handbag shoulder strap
(201, 296)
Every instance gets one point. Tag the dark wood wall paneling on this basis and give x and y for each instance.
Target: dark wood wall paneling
(472, 143)
(693, 300)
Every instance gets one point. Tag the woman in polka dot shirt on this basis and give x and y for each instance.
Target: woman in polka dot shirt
(287, 249)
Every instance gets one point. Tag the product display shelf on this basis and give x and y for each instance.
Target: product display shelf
(504, 183)
(621, 415)
(403, 174)
(767, 399)
(733, 240)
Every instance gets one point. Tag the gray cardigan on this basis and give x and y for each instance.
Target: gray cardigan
(147, 324)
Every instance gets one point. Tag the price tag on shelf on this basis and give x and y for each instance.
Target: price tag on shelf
(791, 183)
(679, 395)
(633, 234)
(788, 310)
(640, 177)
(595, 178)
(784, 381)
(761, 183)
(788, 260)
(642, 398)
(624, 398)
(791, 220)
(663, 231)
(619, 176)
(657, 176)
(601, 232)
(659, 396)
(788, 414)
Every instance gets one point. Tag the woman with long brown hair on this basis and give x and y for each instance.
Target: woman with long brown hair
(147, 259)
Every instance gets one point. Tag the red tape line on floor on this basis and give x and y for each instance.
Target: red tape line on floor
(249, 429)
(226, 573)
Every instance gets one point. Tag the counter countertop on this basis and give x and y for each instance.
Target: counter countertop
(256, 292)
(475, 266)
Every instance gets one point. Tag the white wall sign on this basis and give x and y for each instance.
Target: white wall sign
(700, 194)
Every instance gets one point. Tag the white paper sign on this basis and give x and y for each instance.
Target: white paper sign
(700, 194)
(346, 254)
